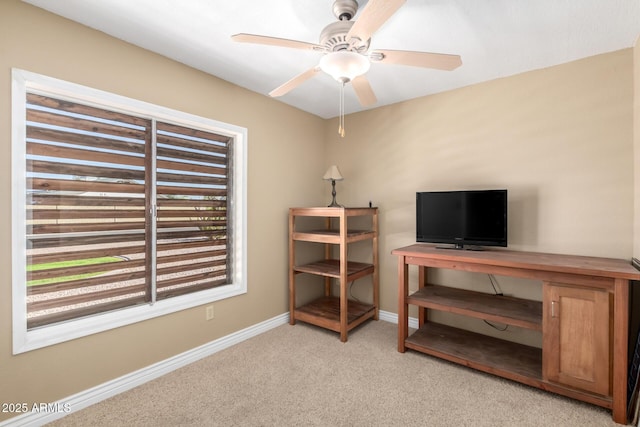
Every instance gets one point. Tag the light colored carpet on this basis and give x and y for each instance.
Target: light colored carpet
(304, 376)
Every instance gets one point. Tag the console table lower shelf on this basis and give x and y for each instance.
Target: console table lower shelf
(325, 312)
(481, 352)
(503, 358)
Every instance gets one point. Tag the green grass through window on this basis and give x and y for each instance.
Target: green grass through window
(70, 263)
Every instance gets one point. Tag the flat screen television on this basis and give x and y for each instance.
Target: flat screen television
(474, 218)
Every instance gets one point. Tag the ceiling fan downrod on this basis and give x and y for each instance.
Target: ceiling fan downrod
(345, 10)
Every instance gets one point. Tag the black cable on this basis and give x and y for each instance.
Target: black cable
(494, 284)
(495, 327)
(351, 293)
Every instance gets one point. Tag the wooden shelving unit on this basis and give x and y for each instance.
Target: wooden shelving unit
(336, 313)
(587, 296)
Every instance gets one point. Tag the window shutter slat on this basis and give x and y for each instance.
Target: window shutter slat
(82, 311)
(112, 265)
(72, 107)
(40, 257)
(212, 169)
(94, 156)
(83, 298)
(45, 119)
(46, 184)
(68, 214)
(191, 179)
(70, 241)
(84, 200)
(82, 170)
(80, 139)
(86, 282)
(191, 155)
(188, 136)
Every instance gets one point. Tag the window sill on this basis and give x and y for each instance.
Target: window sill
(24, 340)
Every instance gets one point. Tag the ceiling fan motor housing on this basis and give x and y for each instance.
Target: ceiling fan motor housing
(334, 38)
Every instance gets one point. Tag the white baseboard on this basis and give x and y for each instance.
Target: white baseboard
(388, 316)
(111, 388)
(127, 382)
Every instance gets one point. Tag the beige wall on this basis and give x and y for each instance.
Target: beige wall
(560, 139)
(284, 170)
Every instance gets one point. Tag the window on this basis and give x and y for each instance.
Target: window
(122, 211)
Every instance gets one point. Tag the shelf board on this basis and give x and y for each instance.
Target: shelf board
(504, 358)
(332, 236)
(331, 268)
(508, 310)
(333, 212)
(325, 312)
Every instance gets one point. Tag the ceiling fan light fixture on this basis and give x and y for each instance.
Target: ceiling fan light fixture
(344, 66)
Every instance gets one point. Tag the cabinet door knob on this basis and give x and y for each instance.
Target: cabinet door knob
(554, 310)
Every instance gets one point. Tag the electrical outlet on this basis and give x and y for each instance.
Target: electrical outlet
(209, 312)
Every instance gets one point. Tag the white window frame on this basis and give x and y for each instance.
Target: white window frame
(26, 340)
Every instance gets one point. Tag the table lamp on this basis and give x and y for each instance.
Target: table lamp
(333, 175)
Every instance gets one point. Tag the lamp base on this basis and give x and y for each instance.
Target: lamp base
(334, 204)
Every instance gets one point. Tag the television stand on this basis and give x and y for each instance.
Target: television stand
(583, 319)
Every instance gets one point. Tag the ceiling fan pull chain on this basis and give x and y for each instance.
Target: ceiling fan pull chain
(341, 120)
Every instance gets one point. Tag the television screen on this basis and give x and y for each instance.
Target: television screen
(475, 217)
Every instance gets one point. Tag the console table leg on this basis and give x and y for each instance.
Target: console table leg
(403, 307)
(620, 336)
(422, 282)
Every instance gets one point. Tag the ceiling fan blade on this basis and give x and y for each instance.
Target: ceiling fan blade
(294, 82)
(274, 41)
(363, 90)
(374, 14)
(439, 61)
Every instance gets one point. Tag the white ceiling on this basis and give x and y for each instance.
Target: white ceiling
(495, 38)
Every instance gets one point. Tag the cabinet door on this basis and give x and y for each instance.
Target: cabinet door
(576, 340)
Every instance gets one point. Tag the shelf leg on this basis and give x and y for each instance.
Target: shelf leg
(292, 275)
(344, 304)
(327, 255)
(376, 271)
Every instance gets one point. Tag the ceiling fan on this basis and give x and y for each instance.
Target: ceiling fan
(345, 45)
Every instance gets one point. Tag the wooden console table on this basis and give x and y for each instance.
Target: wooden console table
(583, 318)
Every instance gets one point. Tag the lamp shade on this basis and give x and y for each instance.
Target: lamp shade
(344, 66)
(333, 174)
